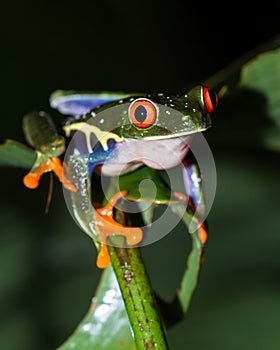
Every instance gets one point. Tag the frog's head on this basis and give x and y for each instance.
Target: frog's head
(158, 116)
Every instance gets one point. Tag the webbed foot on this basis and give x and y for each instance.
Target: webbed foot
(32, 179)
(108, 226)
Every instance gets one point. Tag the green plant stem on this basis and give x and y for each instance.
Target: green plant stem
(138, 297)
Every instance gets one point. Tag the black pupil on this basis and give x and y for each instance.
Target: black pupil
(140, 114)
(213, 97)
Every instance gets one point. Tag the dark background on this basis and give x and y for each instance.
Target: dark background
(47, 265)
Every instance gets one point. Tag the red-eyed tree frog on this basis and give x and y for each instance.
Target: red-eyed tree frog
(120, 133)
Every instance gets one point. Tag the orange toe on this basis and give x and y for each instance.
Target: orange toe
(103, 258)
(202, 234)
(31, 180)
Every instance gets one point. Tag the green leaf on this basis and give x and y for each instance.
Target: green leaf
(16, 154)
(106, 326)
(263, 75)
(248, 115)
(230, 75)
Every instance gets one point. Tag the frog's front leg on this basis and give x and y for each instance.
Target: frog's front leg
(42, 165)
(40, 132)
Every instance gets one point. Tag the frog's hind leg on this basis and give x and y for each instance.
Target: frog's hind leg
(194, 187)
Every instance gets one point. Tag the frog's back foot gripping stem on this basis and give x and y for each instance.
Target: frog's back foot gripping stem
(107, 226)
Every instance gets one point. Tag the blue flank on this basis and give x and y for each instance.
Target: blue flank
(100, 156)
(82, 105)
(192, 180)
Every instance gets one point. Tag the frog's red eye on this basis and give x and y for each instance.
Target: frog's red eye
(142, 113)
(210, 99)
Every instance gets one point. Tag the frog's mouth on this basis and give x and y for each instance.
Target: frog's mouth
(170, 136)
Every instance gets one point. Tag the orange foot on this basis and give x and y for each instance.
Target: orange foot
(31, 180)
(202, 234)
(107, 226)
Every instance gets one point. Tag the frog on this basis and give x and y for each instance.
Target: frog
(119, 133)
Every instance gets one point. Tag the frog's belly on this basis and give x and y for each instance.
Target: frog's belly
(157, 154)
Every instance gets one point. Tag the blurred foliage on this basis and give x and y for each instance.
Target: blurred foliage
(106, 325)
(16, 154)
(47, 265)
(249, 88)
